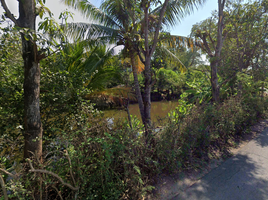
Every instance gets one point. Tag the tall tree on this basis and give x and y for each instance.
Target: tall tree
(148, 50)
(213, 50)
(166, 13)
(248, 27)
(136, 25)
(244, 33)
(31, 57)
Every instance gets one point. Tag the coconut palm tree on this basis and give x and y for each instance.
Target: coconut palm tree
(135, 25)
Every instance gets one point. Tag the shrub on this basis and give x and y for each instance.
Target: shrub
(190, 138)
(103, 162)
(113, 162)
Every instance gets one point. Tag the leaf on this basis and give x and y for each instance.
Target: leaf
(191, 91)
(140, 66)
(41, 13)
(137, 169)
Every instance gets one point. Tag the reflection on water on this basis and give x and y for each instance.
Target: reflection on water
(159, 110)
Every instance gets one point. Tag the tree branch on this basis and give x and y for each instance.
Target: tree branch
(157, 30)
(146, 27)
(227, 80)
(54, 187)
(207, 49)
(202, 72)
(52, 174)
(70, 163)
(3, 187)
(212, 41)
(8, 13)
(8, 173)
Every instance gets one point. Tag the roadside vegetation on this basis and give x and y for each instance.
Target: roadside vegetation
(54, 140)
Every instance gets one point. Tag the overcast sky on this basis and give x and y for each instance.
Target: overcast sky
(183, 29)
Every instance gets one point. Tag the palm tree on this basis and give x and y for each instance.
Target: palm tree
(93, 67)
(132, 24)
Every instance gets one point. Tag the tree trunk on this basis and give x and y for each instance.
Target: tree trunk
(149, 48)
(240, 86)
(215, 61)
(137, 87)
(214, 81)
(147, 96)
(32, 118)
(128, 113)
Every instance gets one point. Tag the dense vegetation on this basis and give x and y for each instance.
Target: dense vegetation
(72, 152)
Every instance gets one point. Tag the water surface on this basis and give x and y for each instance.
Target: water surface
(159, 111)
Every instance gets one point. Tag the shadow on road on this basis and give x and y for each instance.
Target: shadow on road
(239, 178)
(242, 177)
(262, 139)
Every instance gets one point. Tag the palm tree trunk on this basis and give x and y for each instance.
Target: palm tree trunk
(137, 87)
(147, 97)
(128, 114)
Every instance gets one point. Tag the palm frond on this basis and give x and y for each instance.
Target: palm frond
(92, 31)
(176, 41)
(177, 10)
(182, 67)
(81, 57)
(139, 65)
(97, 60)
(73, 55)
(100, 80)
(93, 13)
(117, 12)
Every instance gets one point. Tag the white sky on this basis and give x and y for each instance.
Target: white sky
(183, 29)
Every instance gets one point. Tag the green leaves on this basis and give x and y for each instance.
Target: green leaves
(42, 9)
(65, 15)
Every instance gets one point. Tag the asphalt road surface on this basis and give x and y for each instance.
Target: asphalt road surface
(241, 177)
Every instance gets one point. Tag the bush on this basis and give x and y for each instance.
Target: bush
(103, 162)
(113, 162)
(191, 137)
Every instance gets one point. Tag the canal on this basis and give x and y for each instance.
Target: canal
(159, 111)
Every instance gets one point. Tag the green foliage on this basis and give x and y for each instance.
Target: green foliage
(250, 87)
(113, 161)
(107, 163)
(199, 88)
(182, 110)
(136, 123)
(169, 80)
(104, 163)
(191, 139)
(11, 97)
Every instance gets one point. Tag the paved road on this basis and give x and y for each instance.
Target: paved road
(242, 177)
